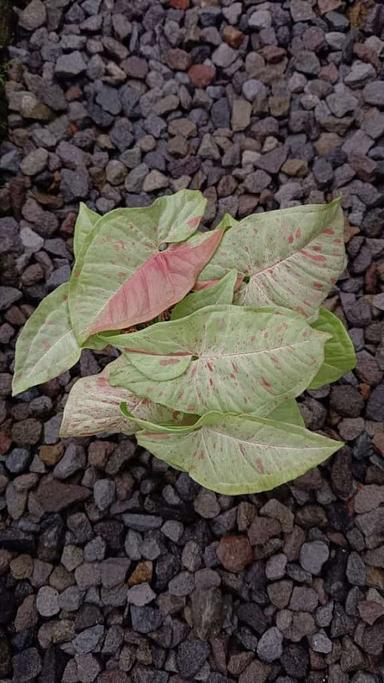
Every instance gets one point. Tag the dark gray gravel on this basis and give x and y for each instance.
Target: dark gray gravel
(113, 567)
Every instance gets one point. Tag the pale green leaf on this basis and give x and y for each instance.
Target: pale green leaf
(46, 346)
(86, 221)
(290, 257)
(288, 411)
(244, 360)
(93, 406)
(339, 352)
(238, 454)
(160, 368)
(220, 293)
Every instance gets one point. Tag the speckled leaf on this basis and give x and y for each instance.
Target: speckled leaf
(122, 278)
(46, 346)
(93, 406)
(219, 293)
(290, 257)
(288, 411)
(86, 221)
(339, 352)
(238, 454)
(244, 360)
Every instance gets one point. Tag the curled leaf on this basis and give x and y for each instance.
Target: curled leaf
(339, 352)
(93, 406)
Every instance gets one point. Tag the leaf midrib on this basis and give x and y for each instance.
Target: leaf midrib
(261, 445)
(254, 353)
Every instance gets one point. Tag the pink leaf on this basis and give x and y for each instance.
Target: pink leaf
(164, 279)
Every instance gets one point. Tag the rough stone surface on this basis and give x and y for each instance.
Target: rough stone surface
(313, 555)
(270, 645)
(234, 553)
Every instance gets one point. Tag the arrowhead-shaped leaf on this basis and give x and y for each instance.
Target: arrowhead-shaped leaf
(86, 221)
(237, 454)
(46, 346)
(243, 360)
(93, 406)
(219, 293)
(290, 257)
(125, 277)
(339, 352)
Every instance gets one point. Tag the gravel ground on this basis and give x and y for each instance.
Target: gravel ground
(114, 567)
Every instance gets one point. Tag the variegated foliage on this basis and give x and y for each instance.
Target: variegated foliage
(218, 333)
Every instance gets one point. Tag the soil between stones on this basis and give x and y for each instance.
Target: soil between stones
(113, 567)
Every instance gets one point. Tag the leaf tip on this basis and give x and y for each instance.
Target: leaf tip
(19, 384)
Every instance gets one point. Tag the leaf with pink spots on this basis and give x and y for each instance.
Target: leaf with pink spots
(290, 257)
(236, 454)
(236, 359)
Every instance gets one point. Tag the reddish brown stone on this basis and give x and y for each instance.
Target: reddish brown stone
(5, 438)
(48, 200)
(371, 277)
(378, 439)
(366, 54)
(142, 573)
(54, 496)
(262, 529)
(273, 54)
(329, 73)
(179, 4)
(50, 455)
(370, 611)
(26, 432)
(201, 75)
(233, 36)
(178, 60)
(234, 553)
(328, 5)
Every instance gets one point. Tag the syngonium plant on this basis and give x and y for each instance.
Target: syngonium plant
(218, 333)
